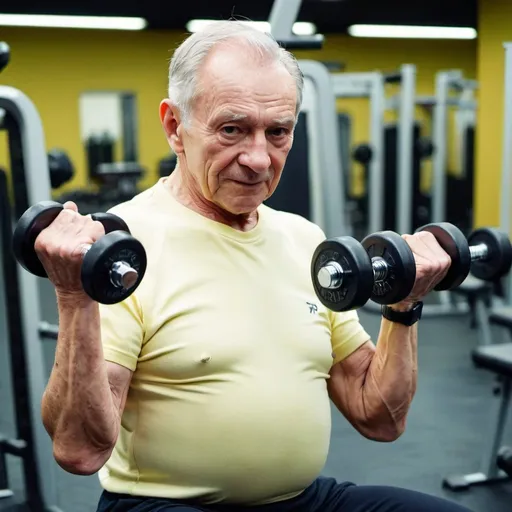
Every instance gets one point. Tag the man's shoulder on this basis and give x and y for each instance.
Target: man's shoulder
(139, 209)
(294, 224)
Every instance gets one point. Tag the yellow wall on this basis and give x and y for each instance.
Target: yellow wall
(53, 67)
(495, 28)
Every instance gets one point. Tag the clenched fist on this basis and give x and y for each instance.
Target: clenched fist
(432, 265)
(62, 245)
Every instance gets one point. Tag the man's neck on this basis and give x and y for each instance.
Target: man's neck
(185, 194)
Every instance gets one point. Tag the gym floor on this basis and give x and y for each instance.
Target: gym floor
(445, 434)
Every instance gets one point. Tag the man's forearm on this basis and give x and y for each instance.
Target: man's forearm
(78, 409)
(390, 381)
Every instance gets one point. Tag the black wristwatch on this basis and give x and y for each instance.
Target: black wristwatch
(403, 317)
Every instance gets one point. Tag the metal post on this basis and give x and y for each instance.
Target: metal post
(405, 149)
(506, 173)
(440, 121)
(283, 15)
(375, 183)
(333, 190)
(371, 86)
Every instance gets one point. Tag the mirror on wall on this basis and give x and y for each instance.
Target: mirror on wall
(108, 130)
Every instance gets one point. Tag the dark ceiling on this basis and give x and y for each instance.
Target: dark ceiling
(328, 15)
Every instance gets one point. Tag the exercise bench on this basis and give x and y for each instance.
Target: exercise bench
(496, 358)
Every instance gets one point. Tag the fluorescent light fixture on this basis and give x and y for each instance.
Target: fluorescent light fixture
(57, 21)
(412, 32)
(300, 28)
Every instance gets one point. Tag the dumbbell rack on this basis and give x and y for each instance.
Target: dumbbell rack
(31, 183)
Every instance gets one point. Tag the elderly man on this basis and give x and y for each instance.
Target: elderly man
(208, 389)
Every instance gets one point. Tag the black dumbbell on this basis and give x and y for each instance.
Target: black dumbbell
(112, 267)
(486, 253)
(347, 273)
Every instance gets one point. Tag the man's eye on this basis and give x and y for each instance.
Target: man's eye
(230, 130)
(278, 132)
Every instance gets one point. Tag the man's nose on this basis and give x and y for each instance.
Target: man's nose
(255, 154)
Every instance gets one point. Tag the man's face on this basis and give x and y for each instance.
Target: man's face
(241, 130)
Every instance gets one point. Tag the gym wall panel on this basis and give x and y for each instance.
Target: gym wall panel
(494, 28)
(53, 67)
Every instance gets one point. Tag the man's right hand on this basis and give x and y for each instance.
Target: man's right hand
(62, 245)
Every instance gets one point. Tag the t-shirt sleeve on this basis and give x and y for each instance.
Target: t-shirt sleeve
(347, 334)
(122, 332)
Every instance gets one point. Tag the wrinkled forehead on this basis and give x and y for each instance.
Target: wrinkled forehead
(234, 75)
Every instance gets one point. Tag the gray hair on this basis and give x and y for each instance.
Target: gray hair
(188, 57)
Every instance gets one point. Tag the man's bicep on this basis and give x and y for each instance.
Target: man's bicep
(119, 379)
(346, 382)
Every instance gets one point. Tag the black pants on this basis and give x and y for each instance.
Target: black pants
(324, 495)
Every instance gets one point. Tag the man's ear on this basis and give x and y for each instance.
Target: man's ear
(171, 123)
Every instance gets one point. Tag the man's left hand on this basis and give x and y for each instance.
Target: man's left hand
(432, 264)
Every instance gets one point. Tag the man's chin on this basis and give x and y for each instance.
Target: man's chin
(242, 208)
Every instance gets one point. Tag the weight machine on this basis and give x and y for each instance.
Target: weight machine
(496, 461)
(31, 183)
(373, 86)
(451, 90)
(506, 172)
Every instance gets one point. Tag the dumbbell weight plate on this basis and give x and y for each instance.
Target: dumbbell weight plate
(401, 274)
(357, 283)
(29, 226)
(499, 256)
(111, 222)
(98, 261)
(455, 244)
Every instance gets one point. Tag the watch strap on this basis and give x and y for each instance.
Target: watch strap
(403, 317)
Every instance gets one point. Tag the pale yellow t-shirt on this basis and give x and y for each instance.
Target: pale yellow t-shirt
(230, 349)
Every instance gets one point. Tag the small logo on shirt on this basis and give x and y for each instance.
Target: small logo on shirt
(313, 308)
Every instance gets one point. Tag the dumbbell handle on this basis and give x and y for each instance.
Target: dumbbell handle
(122, 275)
(330, 276)
(478, 252)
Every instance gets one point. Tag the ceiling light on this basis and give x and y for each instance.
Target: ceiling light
(56, 21)
(412, 32)
(300, 28)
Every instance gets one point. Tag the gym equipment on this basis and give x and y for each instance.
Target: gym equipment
(506, 172)
(343, 271)
(496, 459)
(487, 253)
(282, 17)
(5, 55)
(362, 153)
(447, 82)
(422, 149)
(497, 358)
(118, 181)
(99, 150)
(346, 273)
(371, 86)
(23, 445)
(112, 267)
(61, 168)
(504, 460)
(31, 184)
